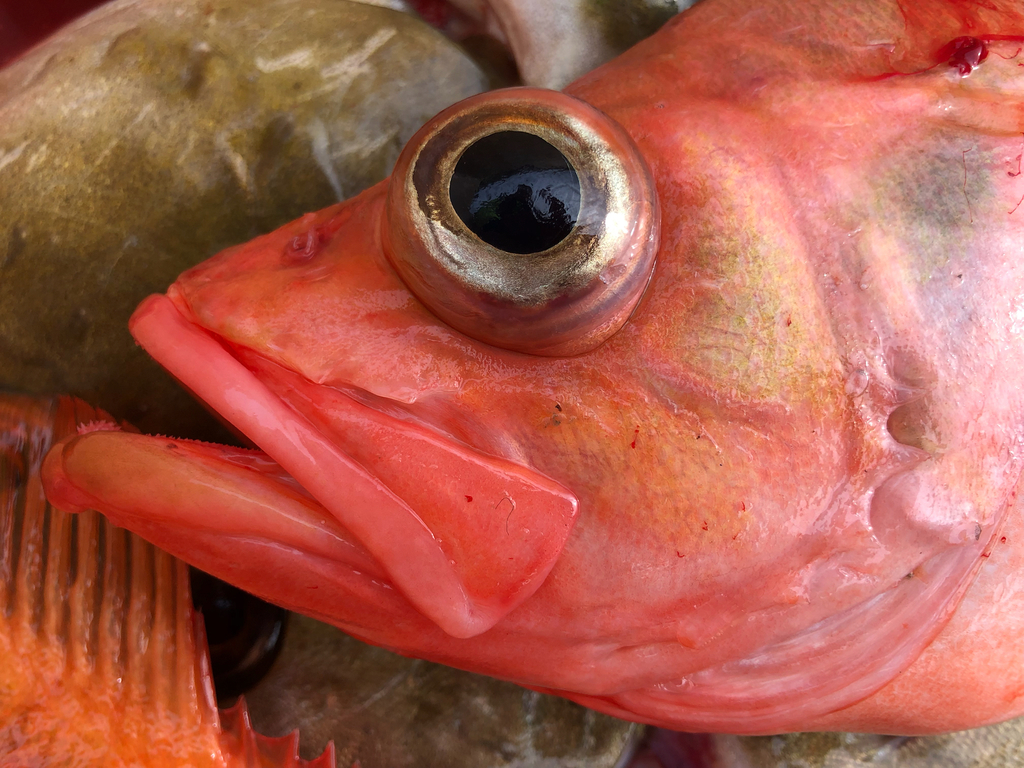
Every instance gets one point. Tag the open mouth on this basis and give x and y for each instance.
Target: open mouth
(463, 536)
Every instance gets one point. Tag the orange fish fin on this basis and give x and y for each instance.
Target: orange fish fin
(101, 650)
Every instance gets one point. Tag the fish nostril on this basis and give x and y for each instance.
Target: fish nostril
(244, 633)
(304, 247)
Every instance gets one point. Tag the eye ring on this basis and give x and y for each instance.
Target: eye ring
(564, 300)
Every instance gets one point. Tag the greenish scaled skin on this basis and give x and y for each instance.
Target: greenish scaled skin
(150, 135)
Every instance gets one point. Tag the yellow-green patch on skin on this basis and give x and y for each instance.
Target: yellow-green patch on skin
(745, 304)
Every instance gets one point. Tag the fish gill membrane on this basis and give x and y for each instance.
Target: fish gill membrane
(103, 660)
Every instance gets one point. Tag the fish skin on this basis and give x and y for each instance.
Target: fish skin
(804, 320)
(103, 660)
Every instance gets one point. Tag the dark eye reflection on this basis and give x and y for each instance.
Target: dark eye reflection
(516, 192)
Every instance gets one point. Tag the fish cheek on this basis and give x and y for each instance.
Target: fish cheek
(734, 311)
(733, 336)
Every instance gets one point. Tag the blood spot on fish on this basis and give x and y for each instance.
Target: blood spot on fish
(469, 498)
(636, 434)
(1002, 539)
(964, 53)
(704, 527)
(679, 554)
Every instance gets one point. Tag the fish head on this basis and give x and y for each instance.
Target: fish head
(621, 395)
(585, 396)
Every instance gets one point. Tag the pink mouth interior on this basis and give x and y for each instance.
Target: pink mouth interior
(461, 566)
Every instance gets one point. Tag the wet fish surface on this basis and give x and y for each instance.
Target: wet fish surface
(787, 360)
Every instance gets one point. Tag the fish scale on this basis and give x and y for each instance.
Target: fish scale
(97, 630)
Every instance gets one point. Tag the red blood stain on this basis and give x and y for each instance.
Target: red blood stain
(469, 498)
(964, 53)
(705, 526)
(636, 433)
(1002, 540)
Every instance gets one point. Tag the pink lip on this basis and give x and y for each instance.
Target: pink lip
(402, 539)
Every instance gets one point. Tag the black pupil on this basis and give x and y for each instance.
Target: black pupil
(516, 192)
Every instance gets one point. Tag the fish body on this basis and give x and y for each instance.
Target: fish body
(740, 453)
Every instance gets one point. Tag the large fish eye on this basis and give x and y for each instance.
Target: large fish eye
(526, 219)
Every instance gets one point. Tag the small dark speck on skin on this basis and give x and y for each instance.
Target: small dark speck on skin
(558, 407)
(977, 532)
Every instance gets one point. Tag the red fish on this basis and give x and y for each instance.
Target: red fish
(691, 393)
(102, 658)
